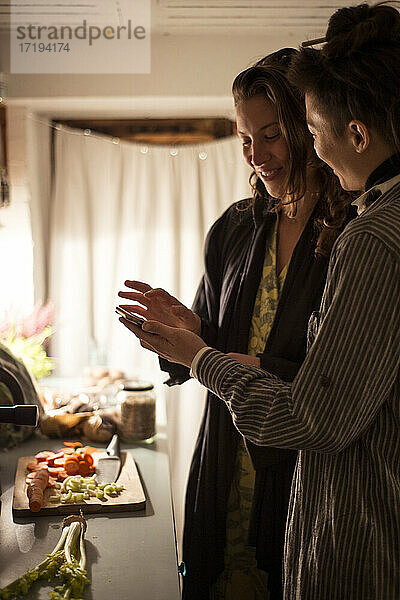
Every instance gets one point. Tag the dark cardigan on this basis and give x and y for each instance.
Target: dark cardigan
(234, 257)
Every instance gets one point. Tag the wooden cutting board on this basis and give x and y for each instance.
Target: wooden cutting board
(131, 498)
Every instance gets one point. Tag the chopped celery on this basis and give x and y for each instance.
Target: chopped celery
(67, 497)
(77, 488)
(77, 497)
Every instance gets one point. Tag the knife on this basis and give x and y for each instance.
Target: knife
(108, 467)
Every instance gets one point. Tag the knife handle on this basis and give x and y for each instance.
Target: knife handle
(113, 448)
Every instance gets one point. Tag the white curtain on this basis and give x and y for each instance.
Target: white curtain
(128, 211)
(38, 161)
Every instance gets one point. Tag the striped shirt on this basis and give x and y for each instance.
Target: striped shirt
(342, 412)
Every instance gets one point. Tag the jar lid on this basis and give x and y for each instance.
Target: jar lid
(136, 386)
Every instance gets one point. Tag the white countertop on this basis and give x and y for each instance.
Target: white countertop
(130, 556)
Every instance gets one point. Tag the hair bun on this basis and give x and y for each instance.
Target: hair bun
(355, 28)
(280, 58)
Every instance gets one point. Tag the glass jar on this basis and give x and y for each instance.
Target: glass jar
(138, 411)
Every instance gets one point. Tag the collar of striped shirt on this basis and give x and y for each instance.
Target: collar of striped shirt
(361, 201)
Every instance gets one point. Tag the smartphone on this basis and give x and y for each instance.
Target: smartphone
(129, 316)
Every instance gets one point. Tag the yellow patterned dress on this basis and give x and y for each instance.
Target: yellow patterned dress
(241, 579)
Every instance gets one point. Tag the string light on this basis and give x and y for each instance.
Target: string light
(113, 140)
(70, 131)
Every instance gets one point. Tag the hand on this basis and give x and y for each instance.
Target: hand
(174, 344)
(245, 359)
(155, 304)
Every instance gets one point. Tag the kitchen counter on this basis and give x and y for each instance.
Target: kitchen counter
(130, 556)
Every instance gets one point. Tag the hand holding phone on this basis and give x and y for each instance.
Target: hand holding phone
(132, 318)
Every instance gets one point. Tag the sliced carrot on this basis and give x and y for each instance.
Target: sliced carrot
(59, 462)
(31, 465)
(71, 467)
(66, 450)
(42, 456)
(73, 444)
(36, 488)
(74, 456)
(54, 471)
(84, 468)
(62, 475)
(51, 460)
(35, 466)
(70, 462)
(89, 458)
(91, 449)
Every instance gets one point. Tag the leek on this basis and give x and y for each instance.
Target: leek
(67, 562)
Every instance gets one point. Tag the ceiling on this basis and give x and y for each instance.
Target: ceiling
(177, 17)
(241, 16)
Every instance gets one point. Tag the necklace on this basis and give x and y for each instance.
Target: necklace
(291, 207)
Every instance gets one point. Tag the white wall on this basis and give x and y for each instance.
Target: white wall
(198, 65)
(16, 264)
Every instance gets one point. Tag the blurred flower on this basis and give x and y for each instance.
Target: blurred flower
(28, 337)
(37, 321)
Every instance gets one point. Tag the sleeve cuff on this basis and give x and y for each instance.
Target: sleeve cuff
(196, 359)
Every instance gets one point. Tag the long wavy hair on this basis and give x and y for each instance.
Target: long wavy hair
(268, 78)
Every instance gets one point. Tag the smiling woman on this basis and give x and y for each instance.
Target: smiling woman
(264, 148)
(331, 149)
(355, 127)
(265, 265)
(342, 409)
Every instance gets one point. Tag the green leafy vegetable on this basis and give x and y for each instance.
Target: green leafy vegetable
(67, 562)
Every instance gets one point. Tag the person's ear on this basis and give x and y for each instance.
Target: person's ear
(359, 135)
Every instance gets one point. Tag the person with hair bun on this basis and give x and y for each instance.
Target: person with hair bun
(342, 410)
(266, 261)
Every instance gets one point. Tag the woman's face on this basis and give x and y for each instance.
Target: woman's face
(338, 153)
(264, 147)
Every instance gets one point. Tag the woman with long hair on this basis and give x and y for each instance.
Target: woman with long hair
(265, 266)
(342, 410)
